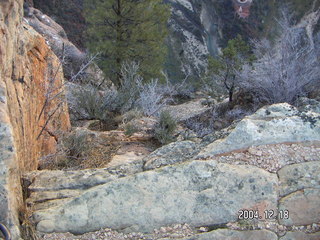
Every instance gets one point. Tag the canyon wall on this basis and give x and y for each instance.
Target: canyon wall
(196, 27)
(33, 112)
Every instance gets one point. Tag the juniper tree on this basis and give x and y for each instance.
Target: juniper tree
(127, 30)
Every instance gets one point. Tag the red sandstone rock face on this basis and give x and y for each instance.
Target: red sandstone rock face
(30, 73)
(37, 112)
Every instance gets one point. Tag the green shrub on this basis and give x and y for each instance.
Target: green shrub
(130, 129)
(165, 128)
(89, 104)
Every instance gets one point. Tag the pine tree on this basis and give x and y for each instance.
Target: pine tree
(127, 30)
(225, 67)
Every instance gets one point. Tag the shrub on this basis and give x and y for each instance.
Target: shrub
(131, 81)
(130, 115)
(130, 129)
(151, 98)
(89, 104)
(71, 152)
(284, 70)
(165, 128)
(80, 150)
(200, 128)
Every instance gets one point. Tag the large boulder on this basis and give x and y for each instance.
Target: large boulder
(273, 124)
(198, 193)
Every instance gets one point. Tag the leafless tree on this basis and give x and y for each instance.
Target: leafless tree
(284, 70)
(151, 98)
(55, 93)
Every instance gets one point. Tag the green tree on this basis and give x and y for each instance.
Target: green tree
(224, 68)
(128, 30)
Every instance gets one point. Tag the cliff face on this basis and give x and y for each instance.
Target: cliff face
(197, 27)
(32, 106)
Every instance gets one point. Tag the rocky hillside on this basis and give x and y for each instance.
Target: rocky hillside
(197, 27)
(259, 182)
(257, 178)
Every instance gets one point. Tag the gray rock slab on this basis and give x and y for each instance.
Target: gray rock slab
(226, 234)
(299, 176)
(80, 180)
(273, 124)
(172, 153)
(198, 193)
(303, 207)
(300, 236)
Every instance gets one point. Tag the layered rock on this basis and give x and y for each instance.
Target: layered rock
(170, 186)
(277, 123)
(33, 109)
(173, 153)
(196, 193)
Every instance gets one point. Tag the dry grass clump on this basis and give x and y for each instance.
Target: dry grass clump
(164, 131)
(80, 150)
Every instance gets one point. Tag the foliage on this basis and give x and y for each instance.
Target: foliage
(135, 94)
(89, 104)
(130, 129)
(127, 30)
(223, 70)
(79, 149)
(165, 128)
(131, 115)
(286, 70)
(151, 98)
(131, 82)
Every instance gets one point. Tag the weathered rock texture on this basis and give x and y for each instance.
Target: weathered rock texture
(169, 186)
(171, 154)
(57, 39)
(196, 193)
(300, 192)
(273, 124)
(29, 74)
(301, 236)
(235, 235)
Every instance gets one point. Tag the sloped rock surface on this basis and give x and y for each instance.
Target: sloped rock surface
(187, 110)
(300, 236)
(273, 157)
(297, 177)
(195, 193)
(227, 234)
(277, 123)
(172, 153)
